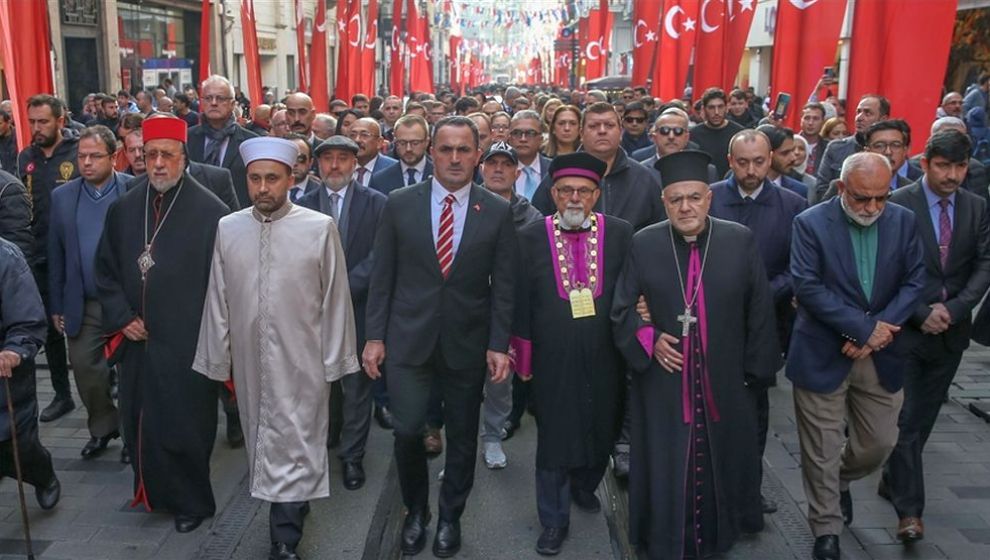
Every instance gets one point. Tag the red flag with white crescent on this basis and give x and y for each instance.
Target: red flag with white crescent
(804, 43)
(723, 26)
(301, 47)
(646, 34)
(421, 66)
(252, 56)
(397, 62)
(680, 24)
(318, 80)
(369, 50)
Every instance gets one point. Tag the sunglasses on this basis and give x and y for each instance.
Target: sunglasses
(635, 120)
(666, 130)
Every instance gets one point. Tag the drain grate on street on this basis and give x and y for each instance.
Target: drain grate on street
(230, 525)
(789, 520)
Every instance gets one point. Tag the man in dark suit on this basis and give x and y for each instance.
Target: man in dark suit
(782, 159)
(525, 137)
(218, 181)
(670, 135)
(412, 140)
(976, 181)
(78, 210)
(858, 274)
(218, 139)
(303, 180)
(955, 233)
(891, 139)
(356, 210)
(441, 304)
(366, 132)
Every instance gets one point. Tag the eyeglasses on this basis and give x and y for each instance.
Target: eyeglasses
(568, 192)
(862, 199)
(155, 154)
(94, 157)
(364, 134)
(635, 120)
(217, 98)
(404, 144)
(500, 127)
(666, 130)
(882, 146)
(520, 133)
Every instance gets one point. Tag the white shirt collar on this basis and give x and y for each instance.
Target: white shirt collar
(535, 165)
(342, 192)
(370, 166)
(754, 194)
(419, 167)
(439, 193)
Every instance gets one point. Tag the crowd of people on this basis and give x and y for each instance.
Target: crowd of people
(634, 273)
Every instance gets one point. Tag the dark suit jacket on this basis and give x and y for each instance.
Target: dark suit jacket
(362, 214)
(65, 271)
(976, 180)
(413, 308)
(966, 275)
(218, 181)
(232, 161)
(392, 177)
(832, 308)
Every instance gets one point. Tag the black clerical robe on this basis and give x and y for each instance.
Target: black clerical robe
(168, 411)
(574, 366)
(741, 348)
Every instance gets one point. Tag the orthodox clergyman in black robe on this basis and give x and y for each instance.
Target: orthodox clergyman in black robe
(693, 477)
(569, 265)
(152, 270)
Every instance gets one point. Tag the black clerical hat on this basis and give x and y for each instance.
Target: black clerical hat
(686, 165)
(578, 164)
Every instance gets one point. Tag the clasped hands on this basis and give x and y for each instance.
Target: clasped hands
(883, 334)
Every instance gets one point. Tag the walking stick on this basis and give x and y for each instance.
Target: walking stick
(17, 469)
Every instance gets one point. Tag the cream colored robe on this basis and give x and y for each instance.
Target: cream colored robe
(278, 312)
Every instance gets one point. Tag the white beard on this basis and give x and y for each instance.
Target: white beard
(573, 218)
(861, 220)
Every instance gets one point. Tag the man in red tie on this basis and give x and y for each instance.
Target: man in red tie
(439, 310)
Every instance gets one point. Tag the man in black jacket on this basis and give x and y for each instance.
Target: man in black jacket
(15, 214)
(49, 162)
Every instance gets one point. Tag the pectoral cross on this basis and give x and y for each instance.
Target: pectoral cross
(686, 321)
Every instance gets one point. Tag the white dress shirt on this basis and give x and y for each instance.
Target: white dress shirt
(370, 166)
(461, 195)
(419, 167)
(340, 202)
(521, 189)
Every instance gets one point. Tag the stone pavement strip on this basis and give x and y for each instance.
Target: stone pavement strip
(93, 520)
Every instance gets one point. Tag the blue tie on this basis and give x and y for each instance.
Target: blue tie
(410, 176)
(530, 182)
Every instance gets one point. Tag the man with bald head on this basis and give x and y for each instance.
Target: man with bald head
(951, 105)
(260, 120)
(750, 198)
(299, 113)
(367, 133)
(846, 358)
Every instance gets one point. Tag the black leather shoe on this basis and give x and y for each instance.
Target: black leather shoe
(769, 506)
(551, 540)
(414, 531)
(282, 551)
(620, 465)
(235, 436)
(49, 495)
(187, 523)
(96, 445)
(448, 540)
(846, 505)
(509, 429)
(586, 501)
(125, 455)
(58, 408)
(353, 475)
(826, 548)
(384, 417)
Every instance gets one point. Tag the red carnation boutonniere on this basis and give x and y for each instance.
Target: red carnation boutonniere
(477, 208)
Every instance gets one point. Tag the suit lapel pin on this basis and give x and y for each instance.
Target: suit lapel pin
(477, 208)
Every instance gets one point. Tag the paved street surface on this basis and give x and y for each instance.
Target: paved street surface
(93, 520)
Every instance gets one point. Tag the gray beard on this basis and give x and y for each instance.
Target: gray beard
(865, 222)
(572, 218)
(162, 187)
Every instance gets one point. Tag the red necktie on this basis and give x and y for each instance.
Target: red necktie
(445, 236)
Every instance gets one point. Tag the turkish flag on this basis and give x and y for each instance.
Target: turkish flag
(804, 43)
(300, 46)
(252, 57)
(318, 80)
(369, 46)
(680, 22)
(646, 36)
(723, 26)
(902, 54)
(595, 49)
(26, 58)
(420, 65)
(454, 64)
(205, 18)
(397, 62)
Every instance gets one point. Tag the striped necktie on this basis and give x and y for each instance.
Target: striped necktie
(445, 236)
